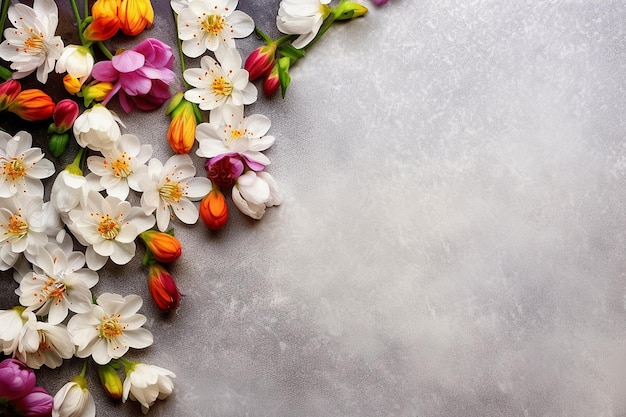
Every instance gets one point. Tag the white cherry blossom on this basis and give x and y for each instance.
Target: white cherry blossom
(110, 328)
(97, 128)
(170, 189)
(302, 17)
(31, 44)
(210, 25)
(147, 383)
(253, 192)
(41, 343)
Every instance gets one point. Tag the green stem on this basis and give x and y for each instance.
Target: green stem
(5, 73)
(261, 35)
(83, 372)
(181, 56)
(104, 50)
(327, 24)
(3, 15)
(79, 21)
(85, 9)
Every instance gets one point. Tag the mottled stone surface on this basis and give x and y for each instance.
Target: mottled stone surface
(451, 241)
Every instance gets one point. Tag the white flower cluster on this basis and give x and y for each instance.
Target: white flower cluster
(232, 141)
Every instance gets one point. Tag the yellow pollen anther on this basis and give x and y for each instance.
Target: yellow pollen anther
(111, 327)
(222, 86)
(171, 192)
(109, 228)
(121, 167)
(54, 288)
(17, 226)
(237, 133)
(34, 42)
(14, 169)
(213, 24)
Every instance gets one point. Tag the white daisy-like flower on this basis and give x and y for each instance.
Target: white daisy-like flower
(22, 167)
(109, 227)
(110, 328)
(210, 25)
(170, 189)
(147, 383)
(302, 17)
(119, 164)
(220, 82)
(32, 45)
(254, 191)
(25, 225)
(97, 128)
(58, 283)
(237, 133)
(41, 343)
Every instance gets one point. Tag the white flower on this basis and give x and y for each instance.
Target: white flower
(302, 17)
(77, 61)
(11, 324)
(109, 227)
(67, 188)
(117, 166)
(97, 128)
(58, 283)
(24, 226)
(74, 400)
(147, 383)
(237, 133)
(41, 343)
(220, 83)
(253, 192)
(22, 167)
(110, 328)
(32, 45)
(170, 188)
(210, 24)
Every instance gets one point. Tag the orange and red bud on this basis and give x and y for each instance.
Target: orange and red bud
(163, 288)
(8, 92)
(214, 210)
(271, 83)
(135, 16)
(260, 61)
(32, 105)
(163, 246)
(185, 116)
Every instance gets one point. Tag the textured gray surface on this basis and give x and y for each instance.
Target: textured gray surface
(451, 241)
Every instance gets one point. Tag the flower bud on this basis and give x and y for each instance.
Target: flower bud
(185, 115)
(64, 114)
(163, 288)
(8, 92)
(58, 143)
(105, 22)
(96, 91)
(110, 381)
(135, 16)
(271, 83)
(214, 210)
(349, 10)
(37, 403)
(32, 105)
(163, 246)
(260, 61)
(16, 379)
(72, 84)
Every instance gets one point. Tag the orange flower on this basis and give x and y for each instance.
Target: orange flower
(32, 105)
(72, 84)
(182, 131)
(163, 246)
(163, 288)
(213, 210)
(105, 23)
(135, 16)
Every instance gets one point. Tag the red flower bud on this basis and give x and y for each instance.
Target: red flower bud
(163, 246)
(260, 61)
(163, 288)
(32, 105)
(213, 210)
(271, 83)
(8, 92)
(64, 114)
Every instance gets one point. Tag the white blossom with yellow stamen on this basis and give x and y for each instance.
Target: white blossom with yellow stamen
(118, 166)
(31, 44)
(21, 167)
(110, 328)
(170, 189)
(108, 227)
(210, 25)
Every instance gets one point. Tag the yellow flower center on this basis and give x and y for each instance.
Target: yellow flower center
(14, 169)
(222, 86)
(237, 133)
(34, 42)
(213, 24)
(54, 289)
(121, 166)
(171, 191)
(17, 226)
(110, 327)
(109, 228)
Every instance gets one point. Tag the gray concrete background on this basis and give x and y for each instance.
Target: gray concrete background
(451, 241)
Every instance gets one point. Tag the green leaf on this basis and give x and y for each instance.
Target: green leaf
(283, 74)
(288, 50)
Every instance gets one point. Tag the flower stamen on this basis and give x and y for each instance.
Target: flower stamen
(222, 86)
(17, 226)
(109, 228)
(121, 167)
(14, 169)
(171, 192)
(111, 327)
(213, 24)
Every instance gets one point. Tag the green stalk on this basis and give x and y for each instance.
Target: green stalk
(5, 73)
(181, 56)
(3, 15)
(104, 50)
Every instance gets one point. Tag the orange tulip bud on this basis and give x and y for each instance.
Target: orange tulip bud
(105, 23)
(163, 288)
(185, 115)
(163, 246)
(72, 84)
(8, 92)
(135, 16)
(32, 105)
(214, 210)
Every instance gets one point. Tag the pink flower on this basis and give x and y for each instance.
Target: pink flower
(379, 2)
(16, 379)
(141, 75)
(64, 114)
(38, 403)
(260, 61)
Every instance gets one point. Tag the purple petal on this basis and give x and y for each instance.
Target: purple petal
(128, 61)
(104, 71)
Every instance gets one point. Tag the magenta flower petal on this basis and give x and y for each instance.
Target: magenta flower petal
(104, 71)
(156, 52)
(16, 379)
(128, 61)
(36, 404)
(134, 84)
